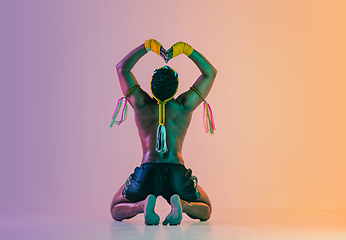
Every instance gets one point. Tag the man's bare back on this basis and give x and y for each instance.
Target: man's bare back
(178, 113)
(177, 123)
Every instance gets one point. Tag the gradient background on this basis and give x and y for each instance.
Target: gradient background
(278, 100)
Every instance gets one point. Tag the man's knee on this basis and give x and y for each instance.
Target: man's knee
(116, 213)
(207, 214)
(204, 198)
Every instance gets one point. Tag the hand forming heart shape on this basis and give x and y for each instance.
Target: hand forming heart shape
(166, 55)
(177, 49)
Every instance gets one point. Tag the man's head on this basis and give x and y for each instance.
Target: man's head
(164, 83)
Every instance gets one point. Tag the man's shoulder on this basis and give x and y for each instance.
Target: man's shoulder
(151, 108)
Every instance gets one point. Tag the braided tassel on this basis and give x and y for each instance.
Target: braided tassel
(117, 110)
(161, 144)
(209, 124)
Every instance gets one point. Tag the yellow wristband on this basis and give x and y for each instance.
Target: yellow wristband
(153, 45)
(181, 47)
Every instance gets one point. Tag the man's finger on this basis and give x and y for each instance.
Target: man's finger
(164, 56)
(163, 53)
(170, 56)
(162, 50)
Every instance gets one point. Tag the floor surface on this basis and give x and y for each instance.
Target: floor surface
(224, 224)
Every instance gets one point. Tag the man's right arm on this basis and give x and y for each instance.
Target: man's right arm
(190, 100)
(127, 80)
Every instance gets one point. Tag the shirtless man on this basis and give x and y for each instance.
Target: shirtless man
(162, 173)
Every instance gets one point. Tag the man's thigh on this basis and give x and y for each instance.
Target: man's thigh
(204, 197)
(118, 197)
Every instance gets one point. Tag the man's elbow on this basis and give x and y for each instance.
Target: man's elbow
(119, 67)
(213, 72)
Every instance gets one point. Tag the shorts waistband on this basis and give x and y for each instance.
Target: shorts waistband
(161, 163)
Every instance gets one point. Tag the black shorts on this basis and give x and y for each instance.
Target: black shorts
(161, 179)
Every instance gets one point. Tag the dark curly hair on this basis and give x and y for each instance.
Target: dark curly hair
(164, 83)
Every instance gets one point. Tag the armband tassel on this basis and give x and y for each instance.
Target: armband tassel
(124, 108)
(208, 119)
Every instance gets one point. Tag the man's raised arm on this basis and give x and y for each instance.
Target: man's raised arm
(204, 83)
(190, 100)
(127, 80)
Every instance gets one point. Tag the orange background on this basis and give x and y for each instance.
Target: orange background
(278, 100)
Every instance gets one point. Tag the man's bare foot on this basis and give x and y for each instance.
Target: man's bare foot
(150, 217)
(175, 216)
